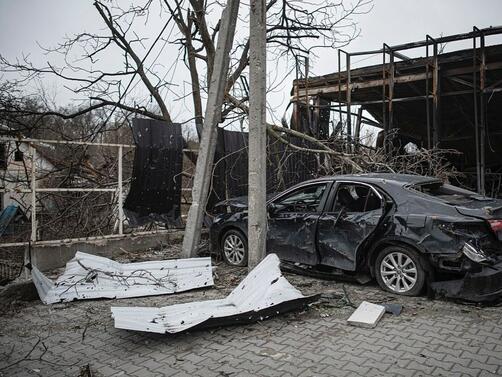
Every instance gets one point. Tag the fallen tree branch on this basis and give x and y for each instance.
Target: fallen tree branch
(344, 158)
(274, 130)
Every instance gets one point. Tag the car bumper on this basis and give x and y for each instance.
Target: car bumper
(480, 287)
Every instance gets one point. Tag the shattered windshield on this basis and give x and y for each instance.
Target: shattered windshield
(448, 193)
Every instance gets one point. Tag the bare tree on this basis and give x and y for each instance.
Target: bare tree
(294, 28)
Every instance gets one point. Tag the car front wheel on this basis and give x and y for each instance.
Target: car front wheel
(234, 248)
(399, 270)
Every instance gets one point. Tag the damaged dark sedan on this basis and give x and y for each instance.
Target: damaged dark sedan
(406, 231)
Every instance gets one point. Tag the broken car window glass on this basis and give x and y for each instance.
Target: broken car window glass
(305, 199)
(356, 198)
(448, 193)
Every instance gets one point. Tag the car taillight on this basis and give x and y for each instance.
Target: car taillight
(496, 226)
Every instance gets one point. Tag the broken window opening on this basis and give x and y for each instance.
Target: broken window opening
(356, 198)
(448, 193)
(306, 199)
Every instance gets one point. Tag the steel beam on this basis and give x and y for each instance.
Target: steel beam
(348, 100)
(435, 97)
(391, 91)
(331, 89)
(340, 86)
(476, 115)
(427, 92)
(482, 109)
(357, 133)
(384, 95)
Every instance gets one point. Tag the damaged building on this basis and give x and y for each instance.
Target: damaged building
(447, 97)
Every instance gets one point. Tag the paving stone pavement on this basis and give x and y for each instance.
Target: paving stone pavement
(430, 338)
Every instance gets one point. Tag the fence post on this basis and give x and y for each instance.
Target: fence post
(33, 194)
(120, 196)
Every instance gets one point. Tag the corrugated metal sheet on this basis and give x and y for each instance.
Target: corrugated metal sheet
(263, 293)
(88, 277)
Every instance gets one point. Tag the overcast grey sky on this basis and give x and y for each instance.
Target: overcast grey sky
(23, 23)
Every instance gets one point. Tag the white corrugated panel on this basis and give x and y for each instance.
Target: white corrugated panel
(263, 288)
(89, 276)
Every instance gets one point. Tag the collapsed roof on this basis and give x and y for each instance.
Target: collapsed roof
(452, 100)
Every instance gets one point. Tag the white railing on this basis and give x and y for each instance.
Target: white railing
(33, 182)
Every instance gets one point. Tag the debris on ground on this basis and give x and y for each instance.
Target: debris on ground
(86, 371)
(262, 294)
(366, 315)
(334, 300)
(394, 309)
(9, 271)
(89, 277)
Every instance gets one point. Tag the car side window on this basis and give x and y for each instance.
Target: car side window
(305, 199)
(353, 197)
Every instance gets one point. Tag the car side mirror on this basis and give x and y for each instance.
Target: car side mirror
(272, 209)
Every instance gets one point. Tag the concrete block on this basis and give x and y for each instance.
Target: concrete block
(366, 315)
(48, 255)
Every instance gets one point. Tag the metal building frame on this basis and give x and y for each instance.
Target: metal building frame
(432, 76)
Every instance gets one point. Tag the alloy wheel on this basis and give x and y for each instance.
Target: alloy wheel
(398, 272)
(234, 249)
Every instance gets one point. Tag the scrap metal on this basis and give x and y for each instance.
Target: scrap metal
(262, 294)
(89, 277)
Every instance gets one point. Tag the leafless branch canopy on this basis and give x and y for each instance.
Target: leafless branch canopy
(293, 28)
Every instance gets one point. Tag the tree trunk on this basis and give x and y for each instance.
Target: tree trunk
(203, 169)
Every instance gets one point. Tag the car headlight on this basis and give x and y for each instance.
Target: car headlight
(473, 254)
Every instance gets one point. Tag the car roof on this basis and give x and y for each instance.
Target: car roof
(398, 179)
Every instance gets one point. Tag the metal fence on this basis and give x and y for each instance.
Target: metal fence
(34, 190)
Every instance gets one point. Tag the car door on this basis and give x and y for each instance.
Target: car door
(292, 223)
(354, 212)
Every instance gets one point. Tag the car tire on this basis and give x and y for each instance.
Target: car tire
(234, 248)
(399, 270)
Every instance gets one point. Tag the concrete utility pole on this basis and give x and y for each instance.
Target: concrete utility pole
(212, 117)
(257, 212)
